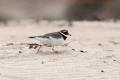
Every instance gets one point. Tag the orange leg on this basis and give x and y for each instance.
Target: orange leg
(39, 48)
(54, 50)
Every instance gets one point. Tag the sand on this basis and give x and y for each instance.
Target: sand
(96, 55)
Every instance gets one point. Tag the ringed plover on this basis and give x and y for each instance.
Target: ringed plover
(52, 39)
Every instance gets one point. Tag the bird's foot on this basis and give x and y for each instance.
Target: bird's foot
(55, 50)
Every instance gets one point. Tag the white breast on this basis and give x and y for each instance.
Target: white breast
(57, 42)
(51, 41)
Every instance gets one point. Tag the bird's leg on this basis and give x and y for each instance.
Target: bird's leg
(54, 50)
(40, 46)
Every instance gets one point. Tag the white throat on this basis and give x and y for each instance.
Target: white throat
(63, 34)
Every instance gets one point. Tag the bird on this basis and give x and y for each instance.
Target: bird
(52, 39)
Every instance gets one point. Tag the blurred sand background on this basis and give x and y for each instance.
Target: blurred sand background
(97, 55)
(94, 51)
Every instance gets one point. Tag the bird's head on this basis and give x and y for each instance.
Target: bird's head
(65, 32)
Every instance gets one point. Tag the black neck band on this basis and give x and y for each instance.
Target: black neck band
(64, 37)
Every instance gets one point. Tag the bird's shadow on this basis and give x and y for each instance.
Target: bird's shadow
(51, 53)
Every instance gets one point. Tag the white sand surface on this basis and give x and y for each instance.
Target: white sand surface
(99, 41)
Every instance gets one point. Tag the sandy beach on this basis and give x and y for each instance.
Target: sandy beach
(93, 54)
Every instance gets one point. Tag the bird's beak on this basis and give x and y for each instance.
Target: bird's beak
(69, 34)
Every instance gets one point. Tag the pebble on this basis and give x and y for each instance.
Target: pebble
(20, 51)
(42, 62)
(102, 70)
(114, 60)
(83, 51)
(99, 44)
